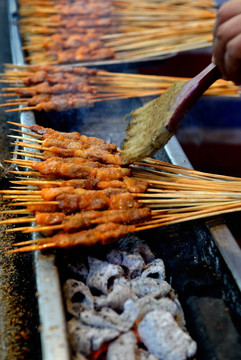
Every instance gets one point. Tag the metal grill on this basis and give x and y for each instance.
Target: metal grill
(202, 259)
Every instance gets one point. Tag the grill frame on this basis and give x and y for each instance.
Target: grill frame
(51, 310)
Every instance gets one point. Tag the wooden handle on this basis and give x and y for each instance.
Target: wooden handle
(190, 93)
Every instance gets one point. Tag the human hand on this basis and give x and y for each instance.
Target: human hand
(227, 40)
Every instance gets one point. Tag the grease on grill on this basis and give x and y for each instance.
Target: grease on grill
(123, 308)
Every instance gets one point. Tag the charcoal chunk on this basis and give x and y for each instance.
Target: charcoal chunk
(164, 338)
(125, 347)
(100, 274)
(78, 297)
(85, 339)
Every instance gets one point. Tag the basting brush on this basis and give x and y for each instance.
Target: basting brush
(152, 125)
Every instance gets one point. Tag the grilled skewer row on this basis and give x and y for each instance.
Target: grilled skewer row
(59, 88)
(87, 187)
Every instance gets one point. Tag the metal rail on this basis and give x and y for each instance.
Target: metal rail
(54, 342)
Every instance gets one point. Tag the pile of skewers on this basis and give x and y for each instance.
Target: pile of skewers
(55, 32)
(80, 190)
(58, 88)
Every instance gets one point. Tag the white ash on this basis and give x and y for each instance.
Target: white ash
(133, 264)
(126, 288)
(125, 347)
(116, 299)
(85, 339)
(108, 318)
(145, 286)
(155, 269)
(100, 274)
(78, 297)
(163, 337)
(149, 303)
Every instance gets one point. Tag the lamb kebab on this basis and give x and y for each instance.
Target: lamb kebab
(83, 220)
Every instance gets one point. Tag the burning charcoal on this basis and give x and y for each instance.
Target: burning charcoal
(144, 286)
(145, 355)
(149, 303)
(108, 318)
(85, 339)
(133, 263)
(155, 269)
(78, 297)
(101, 273)
(124, 347)
(116, 298)
(163, 337)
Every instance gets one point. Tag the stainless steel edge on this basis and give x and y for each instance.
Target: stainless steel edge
(15, 41)
(176, 153)
(228, 247)
(53, 321)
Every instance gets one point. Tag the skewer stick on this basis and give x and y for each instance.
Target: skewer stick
(194, 216)
(27, 242)
(26, 173)
(33, 203)
(43, 228)
(21, 228)
(37, 136)
(18, 220)
(20, 192)
(32, 139)
(22, 187)
(28, 154)
(33, 248)
(22, 163)
(19, 124)
(23, 198)
(20, 211)
(28, 108)
(28, 145)
(13, 104)
(37, 182)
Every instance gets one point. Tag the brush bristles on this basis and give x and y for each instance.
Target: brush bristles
(146, 132)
